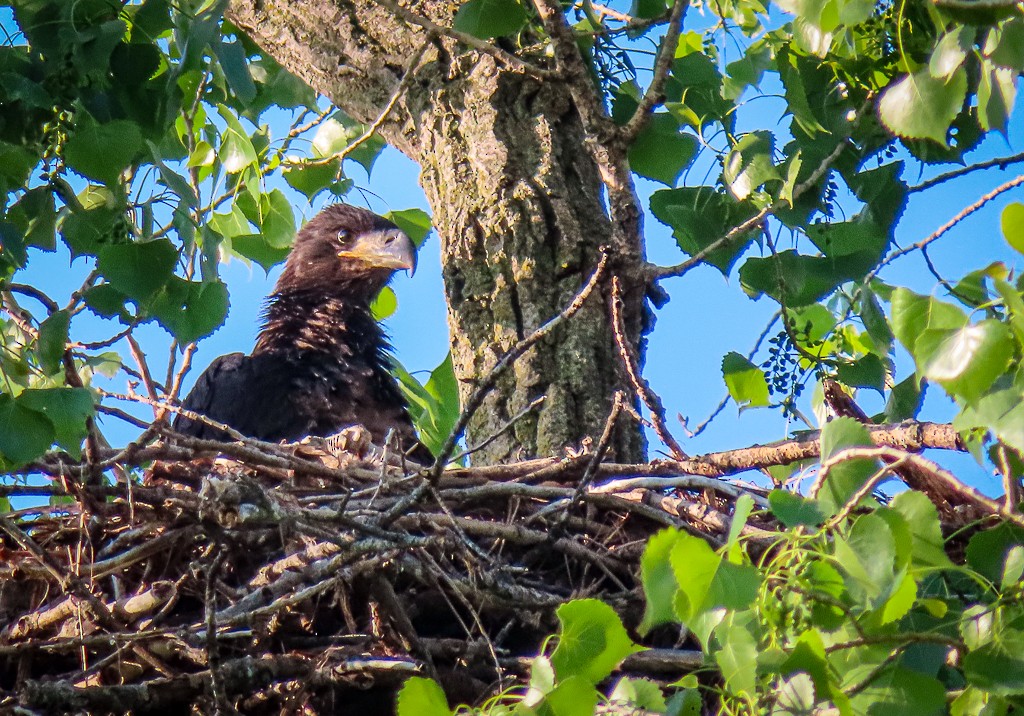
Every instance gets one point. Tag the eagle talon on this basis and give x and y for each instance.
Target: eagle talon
(355, 440)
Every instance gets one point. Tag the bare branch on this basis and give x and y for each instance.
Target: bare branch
(662, 64)
(640, 385)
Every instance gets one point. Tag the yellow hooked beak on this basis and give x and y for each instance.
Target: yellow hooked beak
(384, 248)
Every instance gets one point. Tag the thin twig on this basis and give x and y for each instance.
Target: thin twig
(960, 216)
(488, 382)
(655, 93)
(507, 59)
(1001, 162)
(403, 85)
(640, 384)
(658, 273)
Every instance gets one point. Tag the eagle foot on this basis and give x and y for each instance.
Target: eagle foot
(354, 440)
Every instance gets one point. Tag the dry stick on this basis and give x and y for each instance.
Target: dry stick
(147, 378)
(1001, 162)
(922, 480)
(967, 211)
(968, 493)
(1011, 483)
(640, 385)
(505, 58)
(68, 583)
(487, 384)
(501, 430)
(662, 272)
(863, 491)
(33, 292)
(599, 452)
(485, 387)
(655, 93)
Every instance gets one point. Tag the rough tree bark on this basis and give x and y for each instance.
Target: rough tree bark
(516, 197)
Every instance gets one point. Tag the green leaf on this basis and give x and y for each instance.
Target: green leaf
(106, 301)
(53, 338)
(975, 702)
(749, 164)
(694, 91)
(844, 479)
(1005, 44)
(335, 134)
(966, 361)
(741, 510)
(793, 509)
(385, 304)
(138, 270)
(796, 696)
(67, 409)
(103, 151)
(542, 679)
(866, 372)
(25, 434)
(987, 551)
(639, 693)
(1013, 568)
(795, 280)
(900, 601)
(311, 179)
(737, 658)
(997, 93)
(899, 690)
(868, 556)
(416, 223)
(273, 216)
(172, 180)
(660, 152)
(694, 564)
(591, 642)
(1012, 223)
(913, 314)
(232, 59)
(927, 543)
(236, 150)
(700, 217)
(35, 215)
(434, 407)
(998, 666)
(86, 232)
(905, 400)
(574, 696)
(490, 18)
(191, 310)
(658, 580)
(647, 9)
(920, 106)
(950, 52)
(745, 381)
(422, 697)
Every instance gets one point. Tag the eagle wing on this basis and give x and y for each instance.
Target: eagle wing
(249, 393)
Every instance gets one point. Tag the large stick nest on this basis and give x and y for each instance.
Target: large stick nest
(238, 584)
(260, 578)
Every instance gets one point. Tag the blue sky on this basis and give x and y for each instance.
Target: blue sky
(707, 317)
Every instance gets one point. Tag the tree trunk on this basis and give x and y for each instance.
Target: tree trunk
(516, 198)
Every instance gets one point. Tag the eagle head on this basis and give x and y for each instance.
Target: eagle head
(346, 247)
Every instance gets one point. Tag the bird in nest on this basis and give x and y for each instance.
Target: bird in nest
(321, 361)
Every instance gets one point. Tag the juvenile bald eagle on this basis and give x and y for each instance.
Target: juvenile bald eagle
(321, 361)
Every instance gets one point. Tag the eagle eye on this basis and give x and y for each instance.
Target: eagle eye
(343, 236)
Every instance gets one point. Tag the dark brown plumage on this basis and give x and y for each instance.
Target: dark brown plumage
(321, 362)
